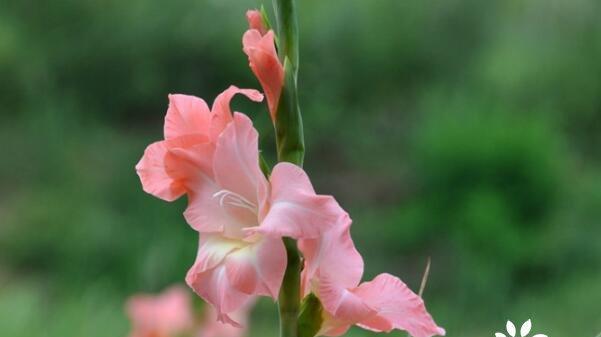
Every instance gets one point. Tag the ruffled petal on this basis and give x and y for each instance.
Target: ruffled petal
(228, 273)
(341, 303)
(153, 174)
(186, 115)
(221, 111)
(398, 308)
(258, 268)
(212, 251)
(165, 174)
(214, 287)
(296, 211)
(334, 255)
(236, 163)
(271, 265)
(332, 327)
(226, 199)
(266, 66)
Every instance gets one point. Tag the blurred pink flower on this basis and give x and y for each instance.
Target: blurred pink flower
(333, 270)
(211, 327)
(170, 314)
(259, 46)
(165, 315)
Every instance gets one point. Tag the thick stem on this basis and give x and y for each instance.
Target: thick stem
(290, 148)
(289, 123)
(289, 299)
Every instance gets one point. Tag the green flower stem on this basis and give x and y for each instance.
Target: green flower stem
(289, 298)
(289, 123)
(291, 148)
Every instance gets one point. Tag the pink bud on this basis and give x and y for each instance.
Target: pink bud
(255, 21)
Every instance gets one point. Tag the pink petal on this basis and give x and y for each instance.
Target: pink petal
(258, 268)
(241, 272)
(212, 251)
(341, 303)
(168, 167)
(266, 66)
(236, 163)
(153, 174)
(271, 263)
(221, 112)
(210, 208)
(333, 255)
(208, 213)
(296, 211)
(255, 21)
(397, 306)
(214, 287)
(332, 327)
(186, 115)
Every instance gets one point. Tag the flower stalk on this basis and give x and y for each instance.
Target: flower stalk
(290, 148)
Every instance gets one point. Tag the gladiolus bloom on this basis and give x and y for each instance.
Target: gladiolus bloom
(213, 157)
(259, 46)
(242, 216)
(166, 315)
(333, 270)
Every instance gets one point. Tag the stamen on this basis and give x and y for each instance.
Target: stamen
(234, 199)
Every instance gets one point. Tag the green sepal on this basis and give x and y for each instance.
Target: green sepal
(265, 18)
(311, 316)
(268, 25)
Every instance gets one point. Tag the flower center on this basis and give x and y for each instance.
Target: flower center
(227, 197)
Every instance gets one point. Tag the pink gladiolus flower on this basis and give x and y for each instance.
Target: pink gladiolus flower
(242, 217)
(166, 315)
(259, 46)
(213, 157)
(333, 270)
(255, 21)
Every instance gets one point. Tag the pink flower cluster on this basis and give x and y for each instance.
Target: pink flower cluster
(212, 156)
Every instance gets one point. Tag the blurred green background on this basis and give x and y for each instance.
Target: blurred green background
(467, 131)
